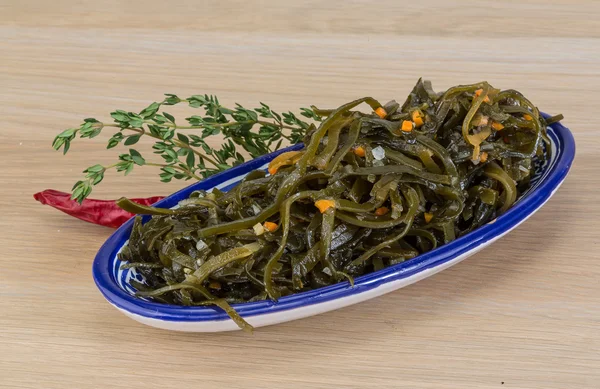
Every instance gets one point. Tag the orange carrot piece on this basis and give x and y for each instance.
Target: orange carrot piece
(324, 205)
(407, 125)
(270, 226)
(497, 126)
(359, 151)
(417, 118)
(478, 93)
(381, 211)
(381, 112)
(483, 157)
(428, 216)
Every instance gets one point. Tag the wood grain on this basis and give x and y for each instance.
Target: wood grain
(524, 313)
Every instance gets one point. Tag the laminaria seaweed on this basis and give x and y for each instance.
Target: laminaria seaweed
(368, 190)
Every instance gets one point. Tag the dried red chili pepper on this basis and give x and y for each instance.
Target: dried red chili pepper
(102, 212)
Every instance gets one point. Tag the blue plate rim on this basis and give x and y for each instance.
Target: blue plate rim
(103, 276)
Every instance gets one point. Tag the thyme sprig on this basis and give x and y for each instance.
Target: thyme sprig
(186, 154)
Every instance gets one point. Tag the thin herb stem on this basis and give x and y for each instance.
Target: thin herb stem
(199, 154)
(281, 125)
(187, 171)
(287, 137)
(110, 166)
(161, 165)
(177, 143)
(223, 125)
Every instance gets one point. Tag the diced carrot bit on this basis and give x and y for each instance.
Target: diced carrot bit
(407, 125)
(483, 157)
(478, 93)
(359, 151)
(497, 126)
(324, 205)
(527, 117)
(215, 285)
(381, 112)
(381, 211)
(417, 118)
(428, 216)
(270, 226)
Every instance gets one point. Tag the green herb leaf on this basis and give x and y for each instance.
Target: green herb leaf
(115, 140)
(132, 139)
(168, 134)
(183, 138)
(66, 146)
(76, 185)
(171, 99)
(98, 178)
(120, 116)
(169, 117)
(159, 119)
(150, 111)
(155, 130)
(129, 168)
(136, 122)
(136, 157)
(94, 169)
(309, 113)
(190, 160)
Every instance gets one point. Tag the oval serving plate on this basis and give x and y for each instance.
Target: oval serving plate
(114, 282)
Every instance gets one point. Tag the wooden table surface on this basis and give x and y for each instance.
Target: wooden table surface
(524, 313)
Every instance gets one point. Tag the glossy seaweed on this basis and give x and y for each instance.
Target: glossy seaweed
(366, 192)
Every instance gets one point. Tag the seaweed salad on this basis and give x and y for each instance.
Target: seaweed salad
(367, 191)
